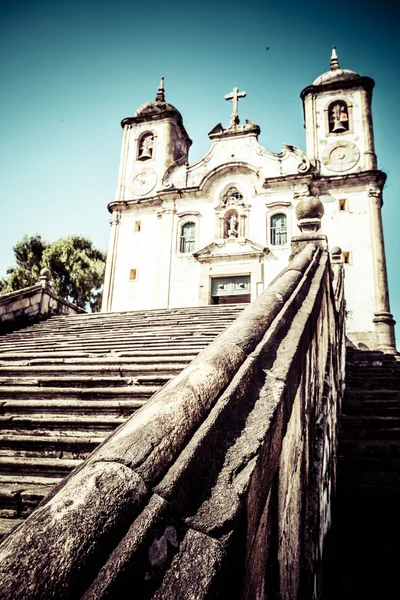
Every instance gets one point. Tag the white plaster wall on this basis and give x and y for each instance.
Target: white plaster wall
(136, 251)
(350, 230)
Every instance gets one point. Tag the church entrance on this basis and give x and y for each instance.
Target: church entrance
(230, 290)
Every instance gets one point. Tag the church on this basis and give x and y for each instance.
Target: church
(228, 426)
(219, 231)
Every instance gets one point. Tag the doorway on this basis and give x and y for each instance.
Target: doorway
(230, 290)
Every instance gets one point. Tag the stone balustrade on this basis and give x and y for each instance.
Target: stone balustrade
(34, 303)
(221, 485)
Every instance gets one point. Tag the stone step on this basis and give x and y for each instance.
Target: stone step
(99, 338)
(369, 482)
(17, 502)
(378, 409)
(70, 393)
(92, 425)
(77, 355)
(116, 368)
(48, 446)
(24, 481)
(84, 381)
(162, 328)
(355, 433)
(69, 382)
(7, 525)
(384, 449)
(374, 384)
(356, 464)
(369, 422)
(99, 346)
(70, 407)
(50, 467)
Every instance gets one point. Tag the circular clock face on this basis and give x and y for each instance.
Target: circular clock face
(143, 182)
(341, 156)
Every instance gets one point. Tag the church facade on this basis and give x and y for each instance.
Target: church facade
(219, 231)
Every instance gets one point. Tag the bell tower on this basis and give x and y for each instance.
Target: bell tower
(338, 121)
(154, 140)
(340, 146)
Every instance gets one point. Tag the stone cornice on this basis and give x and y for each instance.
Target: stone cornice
(342, 84)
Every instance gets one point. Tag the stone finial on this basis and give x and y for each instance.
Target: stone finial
(334, 60)
(45, 278)
(309, 212)
(160, 93)
(336, 254)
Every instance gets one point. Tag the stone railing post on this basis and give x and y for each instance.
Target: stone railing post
(383, 319)
(309, 212)
(45, 279)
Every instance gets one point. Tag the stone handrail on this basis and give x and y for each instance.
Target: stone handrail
(33, 303)
(220, 486)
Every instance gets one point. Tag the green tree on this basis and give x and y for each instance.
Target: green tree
(28, 256)
(76, 266)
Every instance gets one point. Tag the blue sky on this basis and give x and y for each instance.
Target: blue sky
(72, 69)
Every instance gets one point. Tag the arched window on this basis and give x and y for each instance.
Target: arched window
(338, 117)
(188, 236)
(146, 144)
(278, 230)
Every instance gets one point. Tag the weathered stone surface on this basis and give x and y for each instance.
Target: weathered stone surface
(139, 559)
(239, 452)
(150, 441)
(194, 570)
(70, 534)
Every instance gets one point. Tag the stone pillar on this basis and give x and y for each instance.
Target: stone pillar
(370, 161)
(120, 191)
(106, 305)
(165, 241)
(45, 279)
(383, 319)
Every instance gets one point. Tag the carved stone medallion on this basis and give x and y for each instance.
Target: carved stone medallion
(143, 182)
(341, 156)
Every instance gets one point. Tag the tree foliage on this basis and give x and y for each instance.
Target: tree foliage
(76, 266)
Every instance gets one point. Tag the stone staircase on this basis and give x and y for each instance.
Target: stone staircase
(366, 534)
(68, 382)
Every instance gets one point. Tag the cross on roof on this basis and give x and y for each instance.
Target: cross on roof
(235, 95)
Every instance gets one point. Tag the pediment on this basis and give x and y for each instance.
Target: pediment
(231, 249)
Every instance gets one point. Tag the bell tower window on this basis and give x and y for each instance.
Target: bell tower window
(188, 236)
(278, 232)
(338, 117)
(146, 147)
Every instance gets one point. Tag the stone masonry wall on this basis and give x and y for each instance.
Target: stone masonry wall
(220, 486)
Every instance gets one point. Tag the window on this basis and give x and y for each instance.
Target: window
(137, 227)
(347, 258)
(338, 117)
(146, 145)
(133, 273)
(188, 232)
(278, 230)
